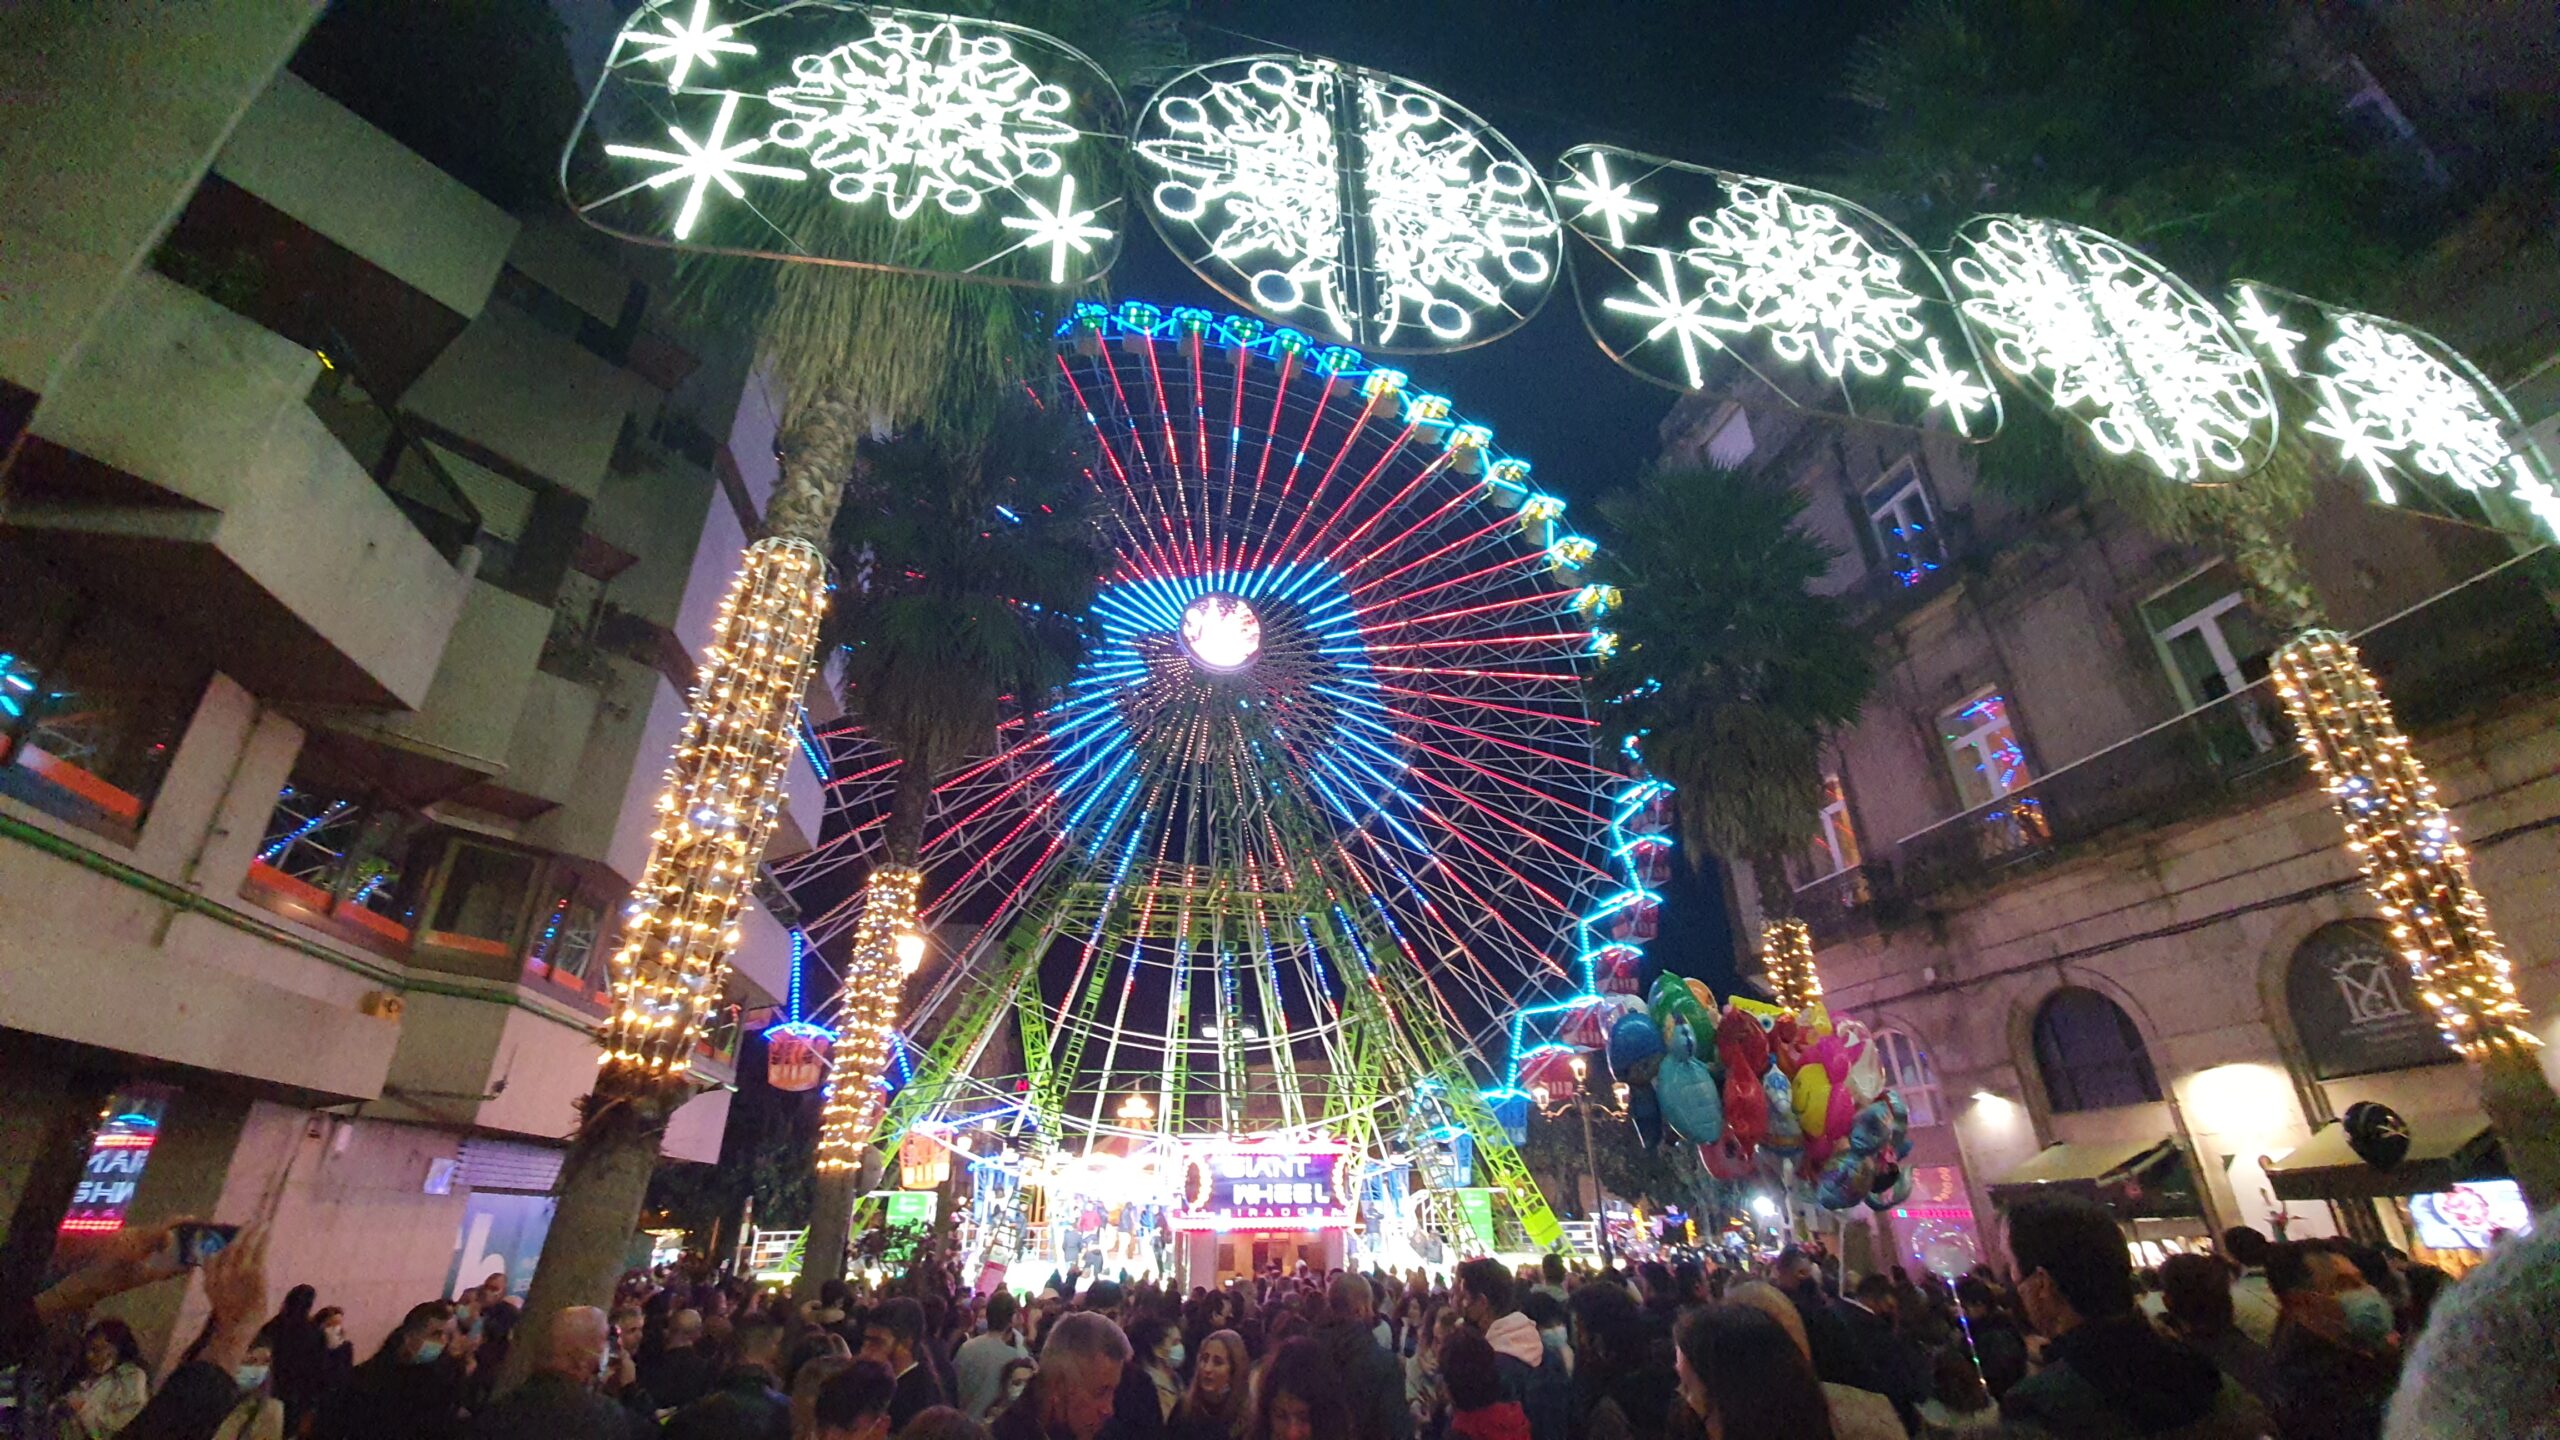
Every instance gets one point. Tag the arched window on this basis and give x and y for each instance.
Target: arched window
(2091, 1055)
(1907, 1069)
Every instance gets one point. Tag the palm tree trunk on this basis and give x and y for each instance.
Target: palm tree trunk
(818, 443)
(715, 816)
(872, 983)
(602, 1183)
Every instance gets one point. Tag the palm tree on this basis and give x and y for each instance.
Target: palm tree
(1727, 663)
(970, 567)
(2188, 129)
(851, 353)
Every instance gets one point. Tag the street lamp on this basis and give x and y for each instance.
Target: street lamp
(1583, 1104)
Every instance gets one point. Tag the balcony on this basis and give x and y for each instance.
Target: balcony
(2460, 654)
(1845, 902)
(180, 469)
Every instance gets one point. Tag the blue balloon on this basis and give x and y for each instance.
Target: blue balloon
(1633, 1040)
(1645, 1115)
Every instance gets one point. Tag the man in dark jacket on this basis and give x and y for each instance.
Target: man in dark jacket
(2108, 1375)
(558, 1401)
(1836, 1358)
(679, 1373)
(893, 1334)
(1483, 1296)
(747, 1405)
(1072, 1396)
(2335, 1360)
(1372, 1382)
(1872, 1314)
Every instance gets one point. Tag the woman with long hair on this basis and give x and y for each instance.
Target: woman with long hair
(1299, 1396)
(1214, 1407)
(1426, 1393)
(1745, 1377)
(110, 1387)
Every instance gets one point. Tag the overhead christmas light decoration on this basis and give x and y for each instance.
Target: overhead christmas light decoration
(2413, 858)
(2399, 406)
(2118, 343)
(1786, 954)
(995, 136)
(886, 947)
(1360, 205)
(723, 795)
(1705, 278)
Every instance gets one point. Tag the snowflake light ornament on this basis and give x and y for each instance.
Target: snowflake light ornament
(1819, 299)
(1360, 205)
(978, 131)
(2119, 344)
(2398, 406)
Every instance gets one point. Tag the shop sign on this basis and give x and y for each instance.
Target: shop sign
(117, 1155)
(1254, 1189)
(2355, 1007)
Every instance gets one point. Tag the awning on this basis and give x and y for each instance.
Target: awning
(2444, 1151)
(2133, 1179)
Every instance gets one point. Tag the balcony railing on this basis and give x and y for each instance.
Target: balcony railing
(1843, 902)
(2456, 655)
(399, 462)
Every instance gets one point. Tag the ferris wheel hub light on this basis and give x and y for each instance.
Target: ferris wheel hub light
(1221, 632)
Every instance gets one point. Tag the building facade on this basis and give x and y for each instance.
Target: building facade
(358, 535)
(2071, 865)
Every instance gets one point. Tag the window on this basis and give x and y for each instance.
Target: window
(1905, 524)
(1907, 1069)
(1731, 444)
(335, 854)
(2214, 649)
(92, 705)
(568, 945)
(480, 906)
(2090, 1054)
(1988, 763)
(1835, 838)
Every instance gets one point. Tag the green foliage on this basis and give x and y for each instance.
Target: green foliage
(922, 352)
(946, 606)
(1655, 1179)
(2192, 128)
(1751, 669)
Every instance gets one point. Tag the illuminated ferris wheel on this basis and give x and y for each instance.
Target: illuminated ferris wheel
(1320, 817)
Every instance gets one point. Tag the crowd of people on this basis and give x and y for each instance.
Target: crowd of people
(2306, 1340)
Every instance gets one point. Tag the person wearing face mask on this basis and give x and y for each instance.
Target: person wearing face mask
(1016, 1380)
(982, 1359)
(411, 1389)
(337, 1365)
(2337, 1357)
(2108, 1374)
(259, 1415)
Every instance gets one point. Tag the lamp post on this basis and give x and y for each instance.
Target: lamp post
(1583, 1104)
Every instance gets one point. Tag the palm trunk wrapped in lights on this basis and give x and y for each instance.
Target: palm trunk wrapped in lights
(886, 948)
(1786, 956)
(2416, 868)
(718, 808)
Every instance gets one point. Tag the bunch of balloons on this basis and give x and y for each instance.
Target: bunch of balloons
(1744, 1080)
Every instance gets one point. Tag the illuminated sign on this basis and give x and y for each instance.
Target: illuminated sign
(2467, 1217)
(117, 1154)
(1270, 1190)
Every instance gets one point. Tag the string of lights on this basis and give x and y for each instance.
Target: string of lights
(1786, 953)
(887, 947)
(722, 795)
(2414, 861)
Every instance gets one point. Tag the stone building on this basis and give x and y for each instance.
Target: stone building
(2072, 866)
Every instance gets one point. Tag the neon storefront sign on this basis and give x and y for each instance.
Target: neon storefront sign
(1307, 1188)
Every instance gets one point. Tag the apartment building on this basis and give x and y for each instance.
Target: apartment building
(358, 537)
(2071, 867)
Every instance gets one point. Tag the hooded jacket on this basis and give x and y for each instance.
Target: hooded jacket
(2117, 1378)
(1544, 1391)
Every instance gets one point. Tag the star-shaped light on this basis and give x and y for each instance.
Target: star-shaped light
(706, 162)
(1947, 387)
(696, 42)
(1061, 229)
(1672, 315)
(1615, 203)
(2267, 330)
